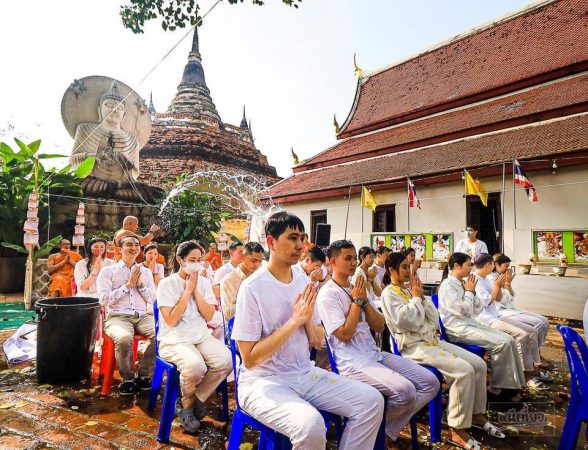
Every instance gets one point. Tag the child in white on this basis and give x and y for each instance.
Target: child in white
(348, 317)
(186, 302)
(274, 325)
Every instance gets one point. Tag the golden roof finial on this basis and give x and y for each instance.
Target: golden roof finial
(294, 157)
(358, 71)
(337, 129)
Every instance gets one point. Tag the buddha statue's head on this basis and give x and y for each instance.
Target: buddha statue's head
(111, 108)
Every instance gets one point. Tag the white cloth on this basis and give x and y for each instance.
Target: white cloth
(263, 305)
(458, 309)
(471, 248)
(490, 312)
(380, 274)
(22, 345)
(333, 305)
(191, 329)
(115, 296)
(289, 403)
(298, 267)
(222, 271)
(369, 288)
(81, 272)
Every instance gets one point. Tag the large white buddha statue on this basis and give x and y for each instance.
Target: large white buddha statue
(116, 150)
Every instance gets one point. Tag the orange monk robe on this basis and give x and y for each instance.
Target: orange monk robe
(214, 259)
(61, 279)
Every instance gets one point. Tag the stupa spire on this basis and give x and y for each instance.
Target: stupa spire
(151, 107)
(244, 121)
(193, 96)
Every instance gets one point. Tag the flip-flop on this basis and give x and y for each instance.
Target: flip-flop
(536, 385)
(491, 429)
(472, 444)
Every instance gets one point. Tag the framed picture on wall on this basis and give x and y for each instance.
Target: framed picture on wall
(378, 241)
(441, 246)
(549, 245)
(419, 243)
(581, 247)
(397, 243)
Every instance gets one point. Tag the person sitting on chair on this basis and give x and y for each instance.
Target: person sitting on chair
(413, 320)
(275, 325)
(87, 270)
(61, 269)
(127, 291)
(349, 317)
(459, 306)
(186, 302)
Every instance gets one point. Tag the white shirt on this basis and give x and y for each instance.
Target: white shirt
(333, 304)
(263, 305)
(490, 312)
(380, 274)
(222, 271)
(458, 309)
(298, 267)
(81, 272)
(471, 248)
(191, 329)
(115, 296)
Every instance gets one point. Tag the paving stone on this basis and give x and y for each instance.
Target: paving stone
(11, 441)
(144, 424)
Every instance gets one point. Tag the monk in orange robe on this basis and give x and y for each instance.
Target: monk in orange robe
(130, 228)
(213, 257)
(61, 268)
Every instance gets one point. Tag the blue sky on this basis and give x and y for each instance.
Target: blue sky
(293, 68)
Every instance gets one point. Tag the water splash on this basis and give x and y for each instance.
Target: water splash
(245, 196)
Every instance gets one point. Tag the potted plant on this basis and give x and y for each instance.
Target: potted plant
(21, 173)
(560, 270)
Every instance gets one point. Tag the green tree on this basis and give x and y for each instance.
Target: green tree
(22, 172)
(173, 13)
(192, 214)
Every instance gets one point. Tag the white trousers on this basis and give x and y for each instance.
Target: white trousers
(407, 386)
(289, 404)
(537, 321)
(526, 337)
(464, 372)
(505, 355)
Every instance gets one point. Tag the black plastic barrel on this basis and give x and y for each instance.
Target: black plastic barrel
(66, 336)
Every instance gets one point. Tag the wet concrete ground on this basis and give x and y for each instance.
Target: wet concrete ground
(77, 417)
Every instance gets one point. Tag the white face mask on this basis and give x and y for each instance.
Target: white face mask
(193, 267)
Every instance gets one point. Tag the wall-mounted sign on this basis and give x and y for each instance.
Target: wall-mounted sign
(429, 246)
(551, 245)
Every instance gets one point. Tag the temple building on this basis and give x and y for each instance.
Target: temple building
(515, 88)
(191, 137)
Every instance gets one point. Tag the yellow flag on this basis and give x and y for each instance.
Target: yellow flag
(475, 187)
(368, 200)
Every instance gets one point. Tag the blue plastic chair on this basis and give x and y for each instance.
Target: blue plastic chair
(578, 407)
(475, 349)
(435, 410)
(268, 439)
(172, 389)
(380, 443)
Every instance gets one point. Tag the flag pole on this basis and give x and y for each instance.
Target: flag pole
(514, 198)
(362, 211)
(502, 207)
(408, 205)
(347, 216)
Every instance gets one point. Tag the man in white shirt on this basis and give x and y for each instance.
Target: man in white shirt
(349, 317)
(236, 256)
(275, 324)
(126, 289)
(229, 287)
(471, 245)
(312, 265)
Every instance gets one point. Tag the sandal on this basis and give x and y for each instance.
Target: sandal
(189, 421)
(545, 377)
(472, 444)
(491, 429)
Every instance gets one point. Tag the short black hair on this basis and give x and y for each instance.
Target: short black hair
(253, 247)
(364, 252)
(381, 250)
(473, 227)
(150, 246)
(280, 221)
(234, 246)
(126, 236)
(335, 248)
(316, 254)
(482, 259)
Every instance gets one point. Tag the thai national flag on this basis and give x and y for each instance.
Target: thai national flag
(521, 179)
(413, 200)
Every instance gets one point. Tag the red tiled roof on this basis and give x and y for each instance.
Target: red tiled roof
(532, 141)
(550, 97)
(525, 47)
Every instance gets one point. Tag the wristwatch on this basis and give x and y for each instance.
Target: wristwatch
(361, 302)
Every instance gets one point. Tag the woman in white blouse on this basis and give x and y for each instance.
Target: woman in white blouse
(151, 253)
(365, 269)
(86, 270)
(413, 320)
(186, 302)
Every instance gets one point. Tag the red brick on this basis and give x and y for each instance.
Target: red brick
(11, 441)
(144, 424)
